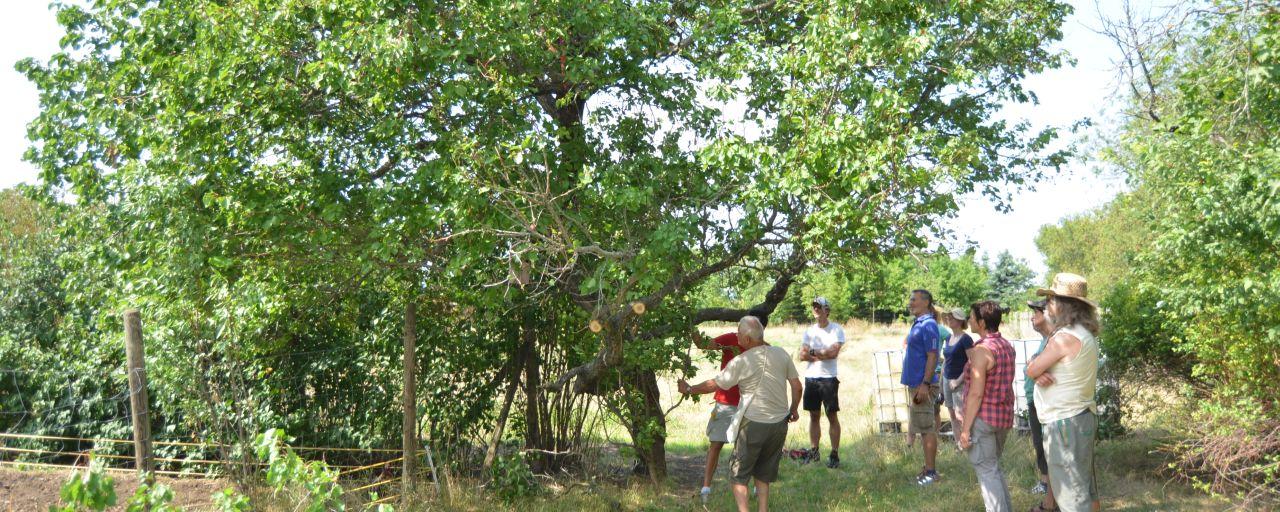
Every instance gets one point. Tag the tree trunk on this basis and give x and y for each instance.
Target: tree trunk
(513, 373)
(647, 424)
(533, 395)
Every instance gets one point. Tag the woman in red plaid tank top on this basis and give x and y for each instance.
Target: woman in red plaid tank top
(989, 377)
(997, 398)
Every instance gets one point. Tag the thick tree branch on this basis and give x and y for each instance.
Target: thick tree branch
(786, 277)
(772, 298)
(610, 354)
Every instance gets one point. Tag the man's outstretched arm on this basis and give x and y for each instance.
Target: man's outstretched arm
(708, 386)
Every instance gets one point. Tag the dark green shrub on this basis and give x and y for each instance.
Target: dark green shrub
(1137, 333)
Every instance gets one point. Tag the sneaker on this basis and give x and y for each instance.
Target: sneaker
(706, 494)
(1040, 488)
(833, 461)
(810, 455)
(928, 477)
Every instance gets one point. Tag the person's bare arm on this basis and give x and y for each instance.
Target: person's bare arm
(930, 363)
(704, 342)
(795, 399)
(805, 354)
(831, 352)
(709, 344)
(708, 386)
(1058, 347)
(980, 362)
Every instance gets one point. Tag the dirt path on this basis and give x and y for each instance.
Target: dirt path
(36, 490)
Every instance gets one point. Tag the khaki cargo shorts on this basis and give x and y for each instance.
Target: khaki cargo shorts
(924, 415)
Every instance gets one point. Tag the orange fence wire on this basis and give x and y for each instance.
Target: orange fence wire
(372, 485)
(374, 465)
(195, 444)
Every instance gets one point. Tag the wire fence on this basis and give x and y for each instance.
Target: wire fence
(373, 472)
(367, 479)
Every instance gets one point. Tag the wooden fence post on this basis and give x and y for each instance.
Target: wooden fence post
(410, 433)
(137, 375)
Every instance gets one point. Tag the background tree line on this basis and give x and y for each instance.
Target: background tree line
(877, 290)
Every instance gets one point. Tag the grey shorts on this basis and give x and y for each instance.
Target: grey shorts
(1068, 448)
(718, 424)
(758, 451)
(951, 393)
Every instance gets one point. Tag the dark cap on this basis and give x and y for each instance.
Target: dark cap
(1038, 305)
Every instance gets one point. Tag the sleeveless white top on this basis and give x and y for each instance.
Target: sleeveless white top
(1075, 380)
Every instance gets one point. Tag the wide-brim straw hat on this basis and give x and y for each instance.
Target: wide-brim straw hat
(1070, 286)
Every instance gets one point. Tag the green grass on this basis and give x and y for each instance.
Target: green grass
(877, 471)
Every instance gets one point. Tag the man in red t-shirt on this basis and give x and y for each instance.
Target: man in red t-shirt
(726, 401)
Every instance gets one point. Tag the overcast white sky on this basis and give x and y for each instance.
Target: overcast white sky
(28, 29)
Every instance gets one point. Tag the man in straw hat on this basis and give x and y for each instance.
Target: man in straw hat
(1066, 374)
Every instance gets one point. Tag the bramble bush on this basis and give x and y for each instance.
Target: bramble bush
(510, 478)
(91, 489)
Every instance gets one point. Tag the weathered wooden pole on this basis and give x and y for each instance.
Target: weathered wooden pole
(410, 398)
(137, 374)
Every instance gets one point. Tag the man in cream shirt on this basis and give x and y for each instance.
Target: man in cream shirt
(762, 373)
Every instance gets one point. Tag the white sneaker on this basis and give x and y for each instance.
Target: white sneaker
(706, 494)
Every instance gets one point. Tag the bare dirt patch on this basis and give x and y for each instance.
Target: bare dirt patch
(37, 489)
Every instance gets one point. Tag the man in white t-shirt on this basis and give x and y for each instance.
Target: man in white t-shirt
(763, 373)
(820, 346)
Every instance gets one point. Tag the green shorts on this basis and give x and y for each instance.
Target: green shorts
(1068, 448)
(758, 451)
